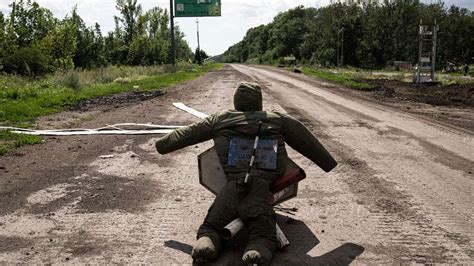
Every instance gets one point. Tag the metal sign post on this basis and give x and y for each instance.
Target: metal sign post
(340, 48)
(173, 47)
(199, 46)
(425, 70)
(191, 8)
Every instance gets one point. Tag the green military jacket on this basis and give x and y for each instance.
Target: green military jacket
(223, 126)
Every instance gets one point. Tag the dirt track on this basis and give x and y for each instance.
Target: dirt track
(403, 191)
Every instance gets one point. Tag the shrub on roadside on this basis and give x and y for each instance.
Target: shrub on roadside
(122, 80)
(9, 141)
(30, 61)
(70, 79)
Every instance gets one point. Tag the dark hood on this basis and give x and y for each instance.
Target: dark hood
(248, 97)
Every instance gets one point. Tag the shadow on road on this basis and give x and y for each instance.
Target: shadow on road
(302, 241)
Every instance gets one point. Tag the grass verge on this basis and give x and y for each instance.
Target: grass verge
(9, 141)
(22, 100)
(360, 75)
(339, 78)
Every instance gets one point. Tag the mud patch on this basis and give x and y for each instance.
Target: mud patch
(108, 192)
(116, 100)
(14, 195)
(84, 244)
(127, 165)
(95, 192)
(453, 95)
(9, 243)
(49, 194)
(26, 226)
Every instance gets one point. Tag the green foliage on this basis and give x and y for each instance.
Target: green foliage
(131, 12)
(137, 52)
(62, 45)
(2, 34)
(183, 52)
(23, 100)
(30, 61)
(200, 56)
(2, 22)
(361, 75)
(90, 46)
(374, 35)
(30, 22)
(456, 28)
(71, 80)
(33, 42)
(9, 141)
(340, 78)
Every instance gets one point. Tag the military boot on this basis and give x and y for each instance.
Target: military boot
(252, 257)
(204, 250)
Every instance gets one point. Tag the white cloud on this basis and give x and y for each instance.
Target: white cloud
(4, 7)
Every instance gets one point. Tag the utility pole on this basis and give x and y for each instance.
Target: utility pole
(199, 46)
(433, 51)
(173, 46)
(337, 51)
(340, 47)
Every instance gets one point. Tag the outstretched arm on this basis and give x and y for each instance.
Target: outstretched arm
(303, 141)
(183, 137)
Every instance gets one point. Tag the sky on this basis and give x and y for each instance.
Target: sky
(216, 33)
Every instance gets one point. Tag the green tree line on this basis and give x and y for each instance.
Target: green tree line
(374, 35)
(34, 42)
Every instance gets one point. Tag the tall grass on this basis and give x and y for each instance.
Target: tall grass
(340, 78)
(403, 75)
(22, 100)
(78, 78)
(9, 141)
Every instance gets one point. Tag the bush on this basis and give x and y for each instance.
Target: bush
(103, 76)
(170, 68)
(70, 79)
(122, 80)
(9, 140)
(29, 61)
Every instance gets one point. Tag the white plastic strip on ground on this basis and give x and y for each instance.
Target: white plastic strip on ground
(142, 125)
(190, 110)
(117, 129)
(94, 132)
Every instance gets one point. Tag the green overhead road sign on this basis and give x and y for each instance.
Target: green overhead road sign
(197, 8)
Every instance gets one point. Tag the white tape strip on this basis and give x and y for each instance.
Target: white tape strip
(93, 132)
(117, 129)
(190, 110)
